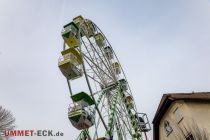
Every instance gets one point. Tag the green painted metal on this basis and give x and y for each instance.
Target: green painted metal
(136, 135)
(71, 24)
(75, 118)
(66, 34)
(118, 125)
(83, 135)
(99, 99)
(109, 132)
(75, 115)
(127, 127)
(82, 96)
(133, 130)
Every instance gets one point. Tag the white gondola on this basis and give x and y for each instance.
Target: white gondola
(100, 41)
(116, 68)
(108, 52)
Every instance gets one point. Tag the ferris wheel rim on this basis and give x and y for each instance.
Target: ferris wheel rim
(87, 77)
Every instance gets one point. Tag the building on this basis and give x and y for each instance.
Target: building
(183, 116)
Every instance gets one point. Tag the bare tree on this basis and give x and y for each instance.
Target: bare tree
(7, 120)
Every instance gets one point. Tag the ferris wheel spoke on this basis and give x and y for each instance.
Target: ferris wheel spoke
(105, 90)
(87, 58)
(94, 70)
(94, 79)
(106, 59)
(98, 121)
(118, 116)
(94, 57)
(126, 127)
(113, 52)
(124, 116)
(118, 128)
(108, 66)
(90, 89)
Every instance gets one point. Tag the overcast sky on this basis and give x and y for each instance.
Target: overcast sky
(163, 46)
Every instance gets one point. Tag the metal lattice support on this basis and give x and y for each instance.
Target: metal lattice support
(136, 135)
(112, 113)
(99, 99)
(83, 135)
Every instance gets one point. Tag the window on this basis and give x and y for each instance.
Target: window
(190, 137)
(167, 127)
(178, 115)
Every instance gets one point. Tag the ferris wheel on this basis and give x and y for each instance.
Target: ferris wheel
(106, 111)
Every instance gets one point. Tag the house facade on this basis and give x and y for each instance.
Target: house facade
(183, 116)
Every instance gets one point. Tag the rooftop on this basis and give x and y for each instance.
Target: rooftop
(168, 98)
